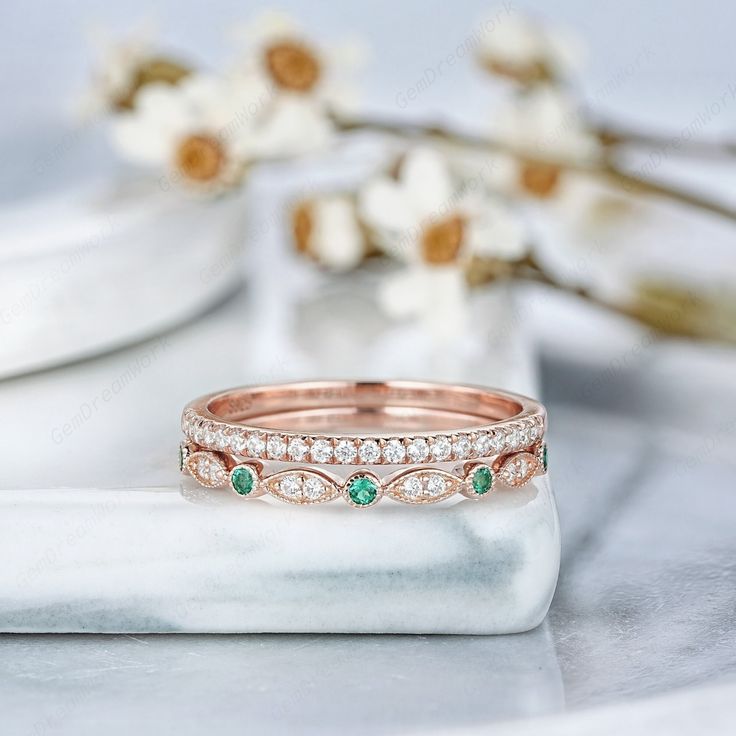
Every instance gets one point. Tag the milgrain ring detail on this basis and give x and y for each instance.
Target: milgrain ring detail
(454, 440)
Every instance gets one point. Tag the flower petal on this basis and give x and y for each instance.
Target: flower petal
(497, 233)
(426, 180)
(292, 126)
(517, 40)
(270, 25)
(444, 301)
(337, 239)
(383, 204)
(545, 122)
(140, 142)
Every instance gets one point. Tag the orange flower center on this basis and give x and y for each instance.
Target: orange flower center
(539, 179)
(302, 225)
(200, 158)
(440, 242)
(293, 66)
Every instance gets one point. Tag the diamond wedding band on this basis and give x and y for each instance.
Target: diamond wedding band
(415, 442)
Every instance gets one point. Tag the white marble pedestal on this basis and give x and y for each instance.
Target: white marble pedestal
(98, 536)
(162, 560)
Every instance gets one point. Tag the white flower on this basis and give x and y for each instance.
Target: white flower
(125, 67)
(302, 81)
(427, 215)
(523, 49)
(426, 218)
(543, 122)
(328, 230)
(200, 131)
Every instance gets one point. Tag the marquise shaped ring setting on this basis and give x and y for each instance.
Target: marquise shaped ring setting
(414, 442)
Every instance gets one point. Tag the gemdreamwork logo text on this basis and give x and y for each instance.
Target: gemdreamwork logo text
(90, 408)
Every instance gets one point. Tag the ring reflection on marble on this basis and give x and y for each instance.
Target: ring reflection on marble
(415, 442)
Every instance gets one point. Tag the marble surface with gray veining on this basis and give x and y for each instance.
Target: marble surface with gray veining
(162, 560)
(641, 634)
(643, 471)
(106, 536)
(645, 608)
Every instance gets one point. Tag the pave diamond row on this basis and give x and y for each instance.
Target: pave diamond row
(508, 437)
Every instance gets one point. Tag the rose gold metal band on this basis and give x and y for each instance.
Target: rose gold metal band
(443, 431)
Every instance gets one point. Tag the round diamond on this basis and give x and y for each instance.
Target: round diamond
(276, 447)
(362, 491)
(524, 435)
(521, 437)
(222, 438)
(345, 451)
(482, 444)
(242, 480)
(298, 449)
(237, 442)
(290, 485)
(321, 451)
(314, 488)
(394, 451)
(418, 450)
(209, 434)
(255, 445)
(436, 484)
(413, 486)
(512, 438)
(441, 448)
(461, 447)
(498, 440)
(369, 451)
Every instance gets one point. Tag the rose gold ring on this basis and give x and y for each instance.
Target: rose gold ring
(415, 442)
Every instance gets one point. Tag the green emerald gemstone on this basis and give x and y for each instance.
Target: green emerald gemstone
(362, 491)
(544, 457)
(482, 480)
(242, 481)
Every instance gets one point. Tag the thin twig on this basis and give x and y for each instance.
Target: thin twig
(410, 130)
(690, 317)
(633, 184)
(612, 135)
(608, 171)
(529, 269)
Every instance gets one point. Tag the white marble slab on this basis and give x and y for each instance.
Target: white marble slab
(276, 684)
(102, 537)
(162, 560)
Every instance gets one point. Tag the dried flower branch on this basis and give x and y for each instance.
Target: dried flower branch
(283, 99)
(608, 171)
(667, 307)
(613, 136)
